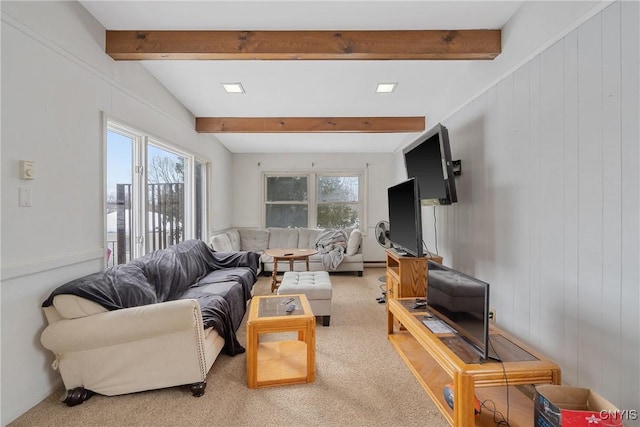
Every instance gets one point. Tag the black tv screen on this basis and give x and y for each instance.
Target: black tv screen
(428, 159)
(405, 219)
(462, 302)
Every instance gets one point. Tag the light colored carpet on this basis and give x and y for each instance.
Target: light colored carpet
(360, 381)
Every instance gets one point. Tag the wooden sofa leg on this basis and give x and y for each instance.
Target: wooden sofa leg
(360, 273)
(76, 396)
(197, 389)
(326, 320)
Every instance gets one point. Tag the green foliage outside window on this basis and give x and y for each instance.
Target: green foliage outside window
(338, 201)
(334, 215)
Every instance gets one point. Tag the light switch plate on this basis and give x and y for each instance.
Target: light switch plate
(27, 169)
(24, 197)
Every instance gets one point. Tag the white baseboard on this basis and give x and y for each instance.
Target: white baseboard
(381, 264)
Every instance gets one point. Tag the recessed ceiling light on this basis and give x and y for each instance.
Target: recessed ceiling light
(233, 87)
(386, 87)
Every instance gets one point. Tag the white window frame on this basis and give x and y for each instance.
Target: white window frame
(312, 183)
(189, 180)
(266, 175)
(141, 141)
(204, 212)
(137, 196)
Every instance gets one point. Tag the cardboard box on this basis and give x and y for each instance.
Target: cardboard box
(564, 406)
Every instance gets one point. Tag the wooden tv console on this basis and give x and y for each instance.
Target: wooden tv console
(440, 359)
(407, 275)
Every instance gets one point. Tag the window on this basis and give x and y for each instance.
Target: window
(155, 195)
(338, 201)
(119, 197)
(324, 200)
(165, 197)
(287, 201)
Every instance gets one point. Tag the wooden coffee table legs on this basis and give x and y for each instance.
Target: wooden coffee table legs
(274, 275)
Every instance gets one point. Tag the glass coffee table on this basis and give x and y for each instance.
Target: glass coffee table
(271, 363)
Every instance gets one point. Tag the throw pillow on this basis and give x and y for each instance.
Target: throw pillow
(253, 240)
(221, 243)
(354, 242)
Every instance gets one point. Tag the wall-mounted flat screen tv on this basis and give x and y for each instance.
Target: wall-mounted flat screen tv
(428, 159)
(405, 218)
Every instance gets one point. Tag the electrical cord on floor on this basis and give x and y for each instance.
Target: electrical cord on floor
(498, 418)
(382, 299)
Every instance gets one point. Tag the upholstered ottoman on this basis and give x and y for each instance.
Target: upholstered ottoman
(316, 285)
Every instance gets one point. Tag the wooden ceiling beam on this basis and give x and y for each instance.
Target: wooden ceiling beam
(309, 124)
(300, 45)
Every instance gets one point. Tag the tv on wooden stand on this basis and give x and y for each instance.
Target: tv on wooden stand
(462, 302)
(405, 218)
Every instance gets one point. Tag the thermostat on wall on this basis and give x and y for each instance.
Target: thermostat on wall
(27, 169)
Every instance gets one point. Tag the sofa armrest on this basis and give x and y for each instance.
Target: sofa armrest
(123, 326)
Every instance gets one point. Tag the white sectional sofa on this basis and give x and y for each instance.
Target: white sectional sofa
(258, 240)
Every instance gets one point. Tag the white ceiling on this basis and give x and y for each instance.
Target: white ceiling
(316, 88)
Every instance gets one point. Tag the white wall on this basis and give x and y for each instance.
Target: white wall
(56, 84)
(248, 185)
(532, 28)
(549, 210)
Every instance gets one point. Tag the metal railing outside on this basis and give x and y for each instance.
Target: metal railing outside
(165, 220)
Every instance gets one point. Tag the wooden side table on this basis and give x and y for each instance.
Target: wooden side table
(406, 275)
(280, 362)
(287, 254)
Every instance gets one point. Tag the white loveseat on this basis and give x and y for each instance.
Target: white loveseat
(258, 240)
(158, 321)
(109, 352)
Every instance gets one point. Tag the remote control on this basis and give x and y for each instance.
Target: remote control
(289, 301)
(291, 308)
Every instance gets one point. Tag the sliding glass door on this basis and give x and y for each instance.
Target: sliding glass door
(165, 198)
(119, 197)
(155, 195)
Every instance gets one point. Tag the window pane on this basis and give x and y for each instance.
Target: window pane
(119, 214)
(338, 215)
(286, 188)
(338, 189)
(287, 215)
(165, 198)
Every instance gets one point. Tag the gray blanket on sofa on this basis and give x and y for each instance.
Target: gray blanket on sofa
(331, 245)
(187, 270)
